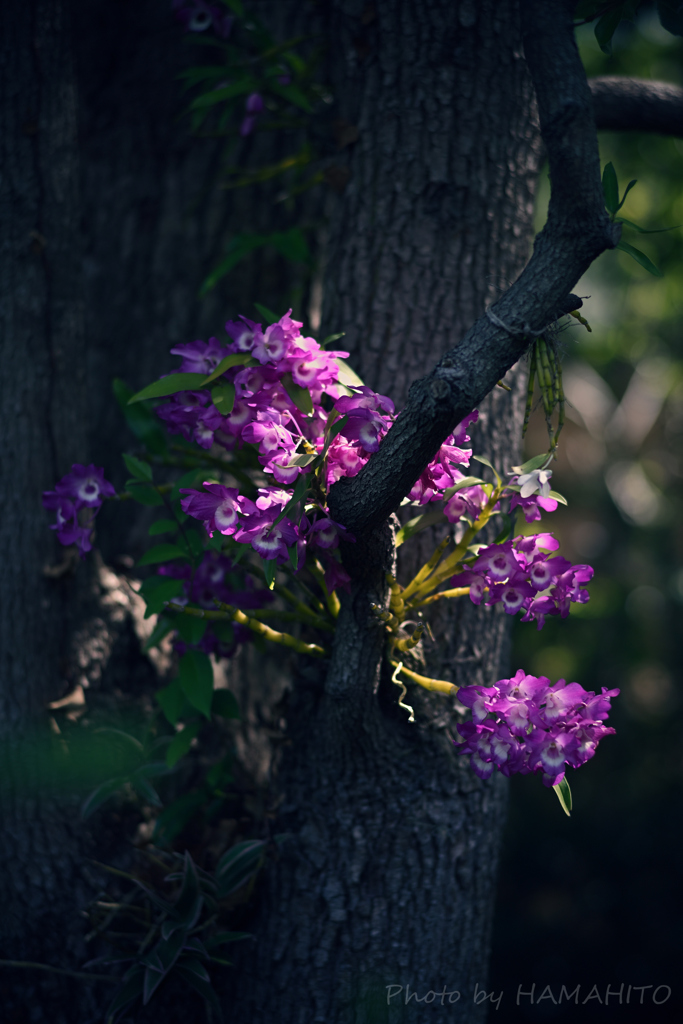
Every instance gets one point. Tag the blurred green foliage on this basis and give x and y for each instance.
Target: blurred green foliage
(595, 899)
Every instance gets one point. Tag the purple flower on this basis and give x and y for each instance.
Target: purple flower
(254, 104)
(200, 356)
(85, 486)
(76, 500)
(218, 509)
(518, 574)
(524, 724)
(198, 16)
(267, 539)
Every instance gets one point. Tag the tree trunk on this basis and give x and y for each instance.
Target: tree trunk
(386, 876)
(112, 215)
(42, 395)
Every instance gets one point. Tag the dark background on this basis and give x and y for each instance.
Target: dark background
(596, 899)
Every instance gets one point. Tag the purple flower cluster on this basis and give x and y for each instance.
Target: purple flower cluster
(525, 725)
(76, 500)
(441, 473)
(279, 363)
(523, 576)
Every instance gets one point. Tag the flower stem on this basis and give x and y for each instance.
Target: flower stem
(227, 611)
(435, 685)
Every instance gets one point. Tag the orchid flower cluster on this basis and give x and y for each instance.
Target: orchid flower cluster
(76, 500)
(524, 724)
(278, 419)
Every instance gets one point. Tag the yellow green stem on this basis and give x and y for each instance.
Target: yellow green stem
(452, 562)
(435, 685)
(331, 599)
(227, 611)
(455, 592)
(426, 569)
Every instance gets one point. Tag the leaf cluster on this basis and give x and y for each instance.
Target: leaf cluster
(180, 936)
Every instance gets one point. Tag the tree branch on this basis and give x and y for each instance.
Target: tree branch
(577, 231)
(633, 104)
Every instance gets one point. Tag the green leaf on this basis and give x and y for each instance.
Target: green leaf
(161, 553)
(128, 993)
(237, 866)
(169, 385)
(300, 396)
(331, 338)
(191, 629)
(131, 743)
(145, 494)
(162, 629)
(506, 531)
(485, 462)
(467, 481)
(303, 460)
(176, 816)
(140, 420)
(157, 590)
(268, 314)
(227, 363)
(640, 257)
(298, 493)
(145, 790)
(225, 704)
(163, 526)
(628, 189)
(269, 569)
(240, 246)
(645, 231)
(610, 187)
(181, 743)
(292, 245)
(101, 794)
(564, 795)
(293, 94)
(171, 701)
(538, 462)
(604, 30)
(139, 469)
(209, 99)
(223, 397)
(196, 680)
(558, 497)
(190, 480)
(419, 523)
(203, 987)
(348, 377)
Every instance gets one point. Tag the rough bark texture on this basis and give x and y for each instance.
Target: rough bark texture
(112, 215)
(387, 873)
(155, 217)
(633, 104)
(42, 395)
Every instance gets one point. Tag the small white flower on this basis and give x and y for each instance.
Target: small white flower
(537, 480)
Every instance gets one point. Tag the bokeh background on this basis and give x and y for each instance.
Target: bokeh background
(596, 899)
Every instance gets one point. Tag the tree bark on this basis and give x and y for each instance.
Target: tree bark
(387, 874)
(42, 395)
(112, 214)
(633, 104)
